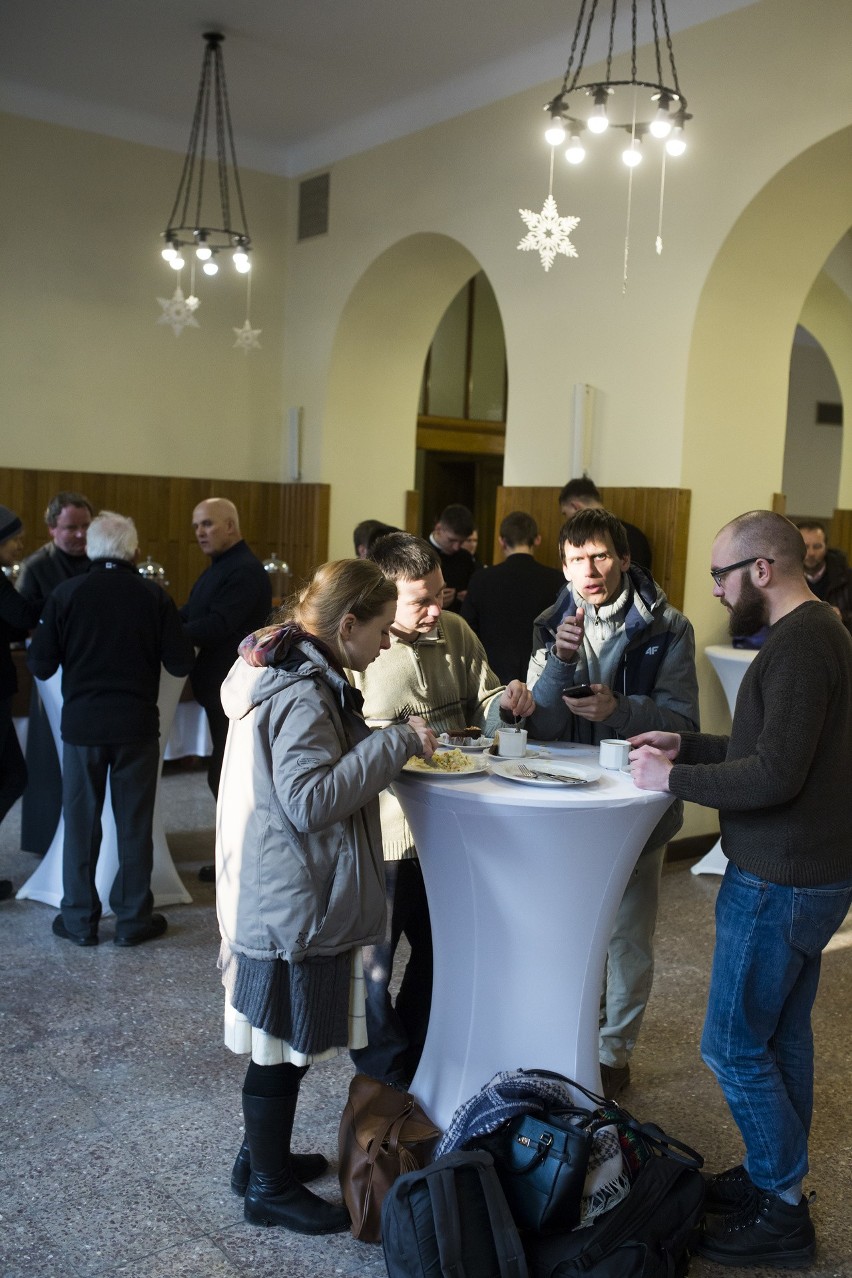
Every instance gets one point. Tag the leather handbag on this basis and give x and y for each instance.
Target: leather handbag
(383, 1133)
(542, 1160)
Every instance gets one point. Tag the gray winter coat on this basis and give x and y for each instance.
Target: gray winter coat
(299, 860)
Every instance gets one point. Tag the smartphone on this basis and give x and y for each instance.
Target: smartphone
(578, 690)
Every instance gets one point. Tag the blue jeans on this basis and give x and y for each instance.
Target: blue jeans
(757, 1034)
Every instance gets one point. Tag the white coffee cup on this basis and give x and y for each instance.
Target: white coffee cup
(512, 743)
(615, 755)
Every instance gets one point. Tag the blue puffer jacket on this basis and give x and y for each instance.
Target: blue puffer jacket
(651, 673)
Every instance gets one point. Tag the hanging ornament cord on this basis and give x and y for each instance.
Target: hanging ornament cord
(550, 184)
(659, 240)
(192, 278)
(629, 204)
(248, 297)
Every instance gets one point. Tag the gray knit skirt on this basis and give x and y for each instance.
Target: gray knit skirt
(307, 1011)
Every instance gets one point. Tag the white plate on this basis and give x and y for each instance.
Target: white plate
(481, 743)
(578, 773)
(477, 764)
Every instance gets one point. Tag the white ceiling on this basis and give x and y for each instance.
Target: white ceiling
(309, 81)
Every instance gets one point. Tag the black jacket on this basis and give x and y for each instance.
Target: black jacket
(110, 630)
(835, 585)
(17, 618)
(229, 600)
(501, 606)
(43, 571)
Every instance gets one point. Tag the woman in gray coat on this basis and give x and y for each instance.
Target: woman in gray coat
(299, 868)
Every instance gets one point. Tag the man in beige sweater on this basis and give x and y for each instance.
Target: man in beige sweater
(435, 668)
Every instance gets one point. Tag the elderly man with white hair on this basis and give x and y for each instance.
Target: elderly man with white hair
(110, 630)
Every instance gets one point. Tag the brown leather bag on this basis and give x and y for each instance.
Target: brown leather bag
(383, 1133)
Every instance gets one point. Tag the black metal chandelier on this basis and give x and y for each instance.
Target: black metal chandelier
(655, 107)
(191, 223)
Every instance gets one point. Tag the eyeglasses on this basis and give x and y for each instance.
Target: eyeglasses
(718, 573)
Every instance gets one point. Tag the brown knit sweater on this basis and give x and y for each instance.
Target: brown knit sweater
(783, 780)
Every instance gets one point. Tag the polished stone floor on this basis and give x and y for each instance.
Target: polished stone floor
(121, 1108)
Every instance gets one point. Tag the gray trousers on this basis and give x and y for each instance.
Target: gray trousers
(630, 960)
(132, 767)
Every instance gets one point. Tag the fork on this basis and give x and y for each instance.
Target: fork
(528, 773)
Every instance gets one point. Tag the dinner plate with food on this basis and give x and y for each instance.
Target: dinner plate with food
(470, 740)
(447, 763)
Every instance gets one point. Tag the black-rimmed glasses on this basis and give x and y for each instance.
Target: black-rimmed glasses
(718, 573)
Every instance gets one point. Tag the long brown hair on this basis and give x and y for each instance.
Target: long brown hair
(343, 586)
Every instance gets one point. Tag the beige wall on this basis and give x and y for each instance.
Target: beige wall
(88, 379)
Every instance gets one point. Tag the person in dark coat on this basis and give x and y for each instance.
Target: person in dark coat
(452, 528)
(67, 517)
(110, 630)
(827, 571)
(231, 598)
(503, 602)
(17, 617)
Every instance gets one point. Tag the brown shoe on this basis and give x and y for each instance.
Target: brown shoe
(614, 1079)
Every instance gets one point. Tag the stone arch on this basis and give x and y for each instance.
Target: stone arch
(737, 376)
(376, 366)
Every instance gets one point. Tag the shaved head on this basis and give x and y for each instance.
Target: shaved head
(216, 525)
(763, 533)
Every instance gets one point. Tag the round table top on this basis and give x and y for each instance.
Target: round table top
(725, 652)
(613, 789)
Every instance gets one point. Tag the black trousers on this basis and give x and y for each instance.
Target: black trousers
(396, 1032)
(217, 721)
(13, 770)
(42, 805)
(132, 768)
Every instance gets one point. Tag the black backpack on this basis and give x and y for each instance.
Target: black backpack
(451, 1219)
(645, 1236)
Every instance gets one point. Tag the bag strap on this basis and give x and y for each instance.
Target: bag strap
(390, 1133)
(654, 1135)
(445, 1212)
(510, 1257)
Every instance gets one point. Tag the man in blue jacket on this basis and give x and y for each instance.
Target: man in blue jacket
(613, 629)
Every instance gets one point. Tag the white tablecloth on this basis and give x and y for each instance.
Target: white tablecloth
(730, 665)
(523, 885)
(45, 884)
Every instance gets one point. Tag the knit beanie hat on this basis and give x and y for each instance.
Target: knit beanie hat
(9, 523)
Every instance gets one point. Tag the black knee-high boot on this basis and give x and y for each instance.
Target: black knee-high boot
(306, 1167)
(274, 1196)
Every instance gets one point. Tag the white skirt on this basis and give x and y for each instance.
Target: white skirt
(242, 1037)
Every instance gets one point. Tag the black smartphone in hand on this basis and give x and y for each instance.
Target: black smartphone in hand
(578, 690)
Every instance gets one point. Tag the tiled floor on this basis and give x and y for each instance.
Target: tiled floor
(121, 1108)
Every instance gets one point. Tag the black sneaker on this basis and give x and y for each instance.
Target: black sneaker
(7, 889)
(728, 1190)
(768, 1231)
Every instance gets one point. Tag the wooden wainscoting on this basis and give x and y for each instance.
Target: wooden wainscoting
(661, 513)
(840, 532)
(291, 519)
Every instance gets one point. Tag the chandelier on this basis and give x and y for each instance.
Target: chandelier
(640, 107)
(662, 112)
(198, 224)
(190, 221)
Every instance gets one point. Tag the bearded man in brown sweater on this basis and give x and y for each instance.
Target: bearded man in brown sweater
(781, 782)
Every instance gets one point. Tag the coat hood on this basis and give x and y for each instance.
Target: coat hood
(246, 686)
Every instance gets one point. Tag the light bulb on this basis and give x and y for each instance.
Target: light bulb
(676, 145)
(555, 132)
(169, 253)
(597, 121)
(204, 252)
(241, 261)
(575, 152)
(210, 268)
(633, 155)
(661, 125)
(177, 262)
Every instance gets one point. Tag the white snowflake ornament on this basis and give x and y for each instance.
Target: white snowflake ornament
(178, 311)
(247, 337)
(548, 233)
